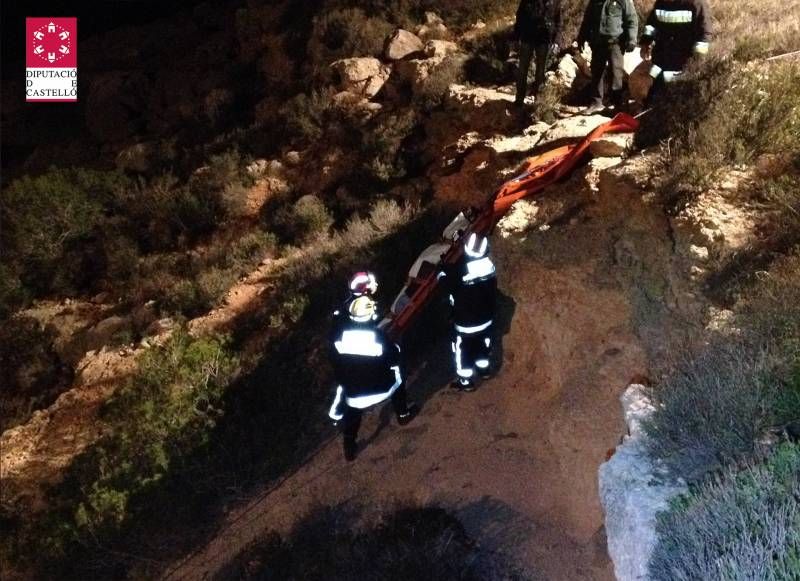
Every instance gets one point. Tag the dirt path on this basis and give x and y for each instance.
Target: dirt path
(517, 460)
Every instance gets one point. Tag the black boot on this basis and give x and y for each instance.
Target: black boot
(350, 449)
(411, 412)
(462, 384)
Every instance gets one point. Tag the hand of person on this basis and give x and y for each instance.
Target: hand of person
(578, 45)
(646, 52)
(630, 46)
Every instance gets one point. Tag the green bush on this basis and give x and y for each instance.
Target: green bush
(50, 223)
(743, 525)
(306, 219)
(344, 33)
(713, 407)
(383, 145)
(163, 415)
(409, 543)
(305, 115)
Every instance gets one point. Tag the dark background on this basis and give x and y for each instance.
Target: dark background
(93, 17)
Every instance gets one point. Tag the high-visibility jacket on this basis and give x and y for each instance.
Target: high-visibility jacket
(472, 285)
(679, 29)
(366, 364)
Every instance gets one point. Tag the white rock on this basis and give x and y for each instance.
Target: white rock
(698, 252)
(439, 48)
(633, 491)
(363, 76)
(612, 145)
(401, 44)
(292, 158)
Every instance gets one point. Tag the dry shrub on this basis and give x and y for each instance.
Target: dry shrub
(743, 525)
(721, 116)
(303, 221)
(434, 88)
(712, 408)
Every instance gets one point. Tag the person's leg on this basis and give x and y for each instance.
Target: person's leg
(599, 60)
(617, 70)
(350, 426)
(542, 52)
(404, 411)
(483, 350)
(463, 361)
(525, 54)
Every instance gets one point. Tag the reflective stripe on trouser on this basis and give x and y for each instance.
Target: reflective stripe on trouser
(668, 76)
(471, 352)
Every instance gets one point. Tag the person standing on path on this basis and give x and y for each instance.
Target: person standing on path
(472, 286)
(367, 370)
(537, 28)
(611, 27)
(676, 32)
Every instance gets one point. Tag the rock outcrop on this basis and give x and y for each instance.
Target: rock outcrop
(402, 44)
(363, 76)
(633, 490)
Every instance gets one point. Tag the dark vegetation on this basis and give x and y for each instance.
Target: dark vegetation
(407, 543)
(728, 414)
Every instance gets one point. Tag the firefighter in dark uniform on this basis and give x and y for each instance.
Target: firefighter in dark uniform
(367, 369)
(676, 31)
(472, 287)
(611, 28)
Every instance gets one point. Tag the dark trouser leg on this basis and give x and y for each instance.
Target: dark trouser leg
(525, 54)
(351, 423)
(483, 351)
(400, 401)
(600, 55)
(658, 87)
(464, 359)
(542, 51)
(617, 68)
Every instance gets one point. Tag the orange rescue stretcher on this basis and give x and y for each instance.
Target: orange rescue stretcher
(539, 172)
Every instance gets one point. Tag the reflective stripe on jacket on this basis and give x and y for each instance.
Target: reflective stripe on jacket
(680, 29)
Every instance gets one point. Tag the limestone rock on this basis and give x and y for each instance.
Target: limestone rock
(633, 490)
(364, 76)
(481, 108)
(103, 333)
(612, 145)
(401, 44)
(572, 128)
(292, 158)
(439, 49)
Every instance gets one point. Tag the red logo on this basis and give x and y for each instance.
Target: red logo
(51, 59)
